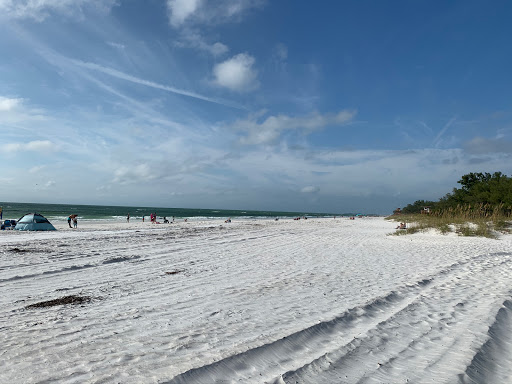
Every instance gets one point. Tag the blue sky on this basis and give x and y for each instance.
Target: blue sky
(328, 106)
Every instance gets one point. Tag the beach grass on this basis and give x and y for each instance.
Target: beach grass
(477, 220)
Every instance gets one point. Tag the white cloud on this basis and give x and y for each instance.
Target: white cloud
(41, 9)
(183, 12)
(36, 169)
(193, 39)
(16, 115)
(190, 15)
(180, 10)
(136, 174)
(59, 60)
(237, 73)
(116, 45)
(9, 104)
(310, 189)
(218, 49)
(271, 128)
(32, 146)
(39, 146)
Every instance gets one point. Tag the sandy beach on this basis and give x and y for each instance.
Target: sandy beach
(254, 301)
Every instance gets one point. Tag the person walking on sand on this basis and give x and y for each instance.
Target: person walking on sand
(75, 222)
(69, 221)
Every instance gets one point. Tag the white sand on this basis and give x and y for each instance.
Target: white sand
(315, 301)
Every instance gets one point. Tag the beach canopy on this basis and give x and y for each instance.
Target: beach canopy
(34, 222)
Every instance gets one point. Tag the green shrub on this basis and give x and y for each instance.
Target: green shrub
(463, 220)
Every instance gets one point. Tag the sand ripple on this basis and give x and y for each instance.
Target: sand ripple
(316, 301)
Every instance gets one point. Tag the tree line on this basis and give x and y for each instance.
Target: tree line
(478, 191)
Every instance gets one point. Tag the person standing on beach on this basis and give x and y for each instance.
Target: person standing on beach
(75, 222)
(128, 218)
(69, 221)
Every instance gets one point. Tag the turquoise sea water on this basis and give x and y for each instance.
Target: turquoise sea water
(104, 212)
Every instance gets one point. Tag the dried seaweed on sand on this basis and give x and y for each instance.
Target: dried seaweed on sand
(71, 299)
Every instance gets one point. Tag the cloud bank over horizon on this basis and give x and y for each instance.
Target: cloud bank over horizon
(182, 104)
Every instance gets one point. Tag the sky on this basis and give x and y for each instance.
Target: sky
(325, 106)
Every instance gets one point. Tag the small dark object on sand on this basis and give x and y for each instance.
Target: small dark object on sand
(18, 250)
(72, 299)
(174, 272)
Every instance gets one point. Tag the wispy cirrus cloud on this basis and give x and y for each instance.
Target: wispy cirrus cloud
(191, 16)
(37, 169)
(194, 12)
(134, 174)
(280, 56)
(137, 80)
(32, 146)
(438, 139)
(270, 129)
(65, 62)
(193, 39)
(39, 10)
(116, 45)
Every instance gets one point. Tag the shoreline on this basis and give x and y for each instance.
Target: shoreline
(100, 225)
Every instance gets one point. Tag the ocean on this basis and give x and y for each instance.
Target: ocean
(110, 212)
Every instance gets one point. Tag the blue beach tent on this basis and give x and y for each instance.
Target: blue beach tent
(34, 222)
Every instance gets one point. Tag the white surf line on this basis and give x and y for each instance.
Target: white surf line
(266, 362)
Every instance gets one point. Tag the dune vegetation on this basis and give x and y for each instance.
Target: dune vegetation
(481, 207)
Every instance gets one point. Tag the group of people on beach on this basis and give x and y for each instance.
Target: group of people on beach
(153, 219)
(74, 219)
